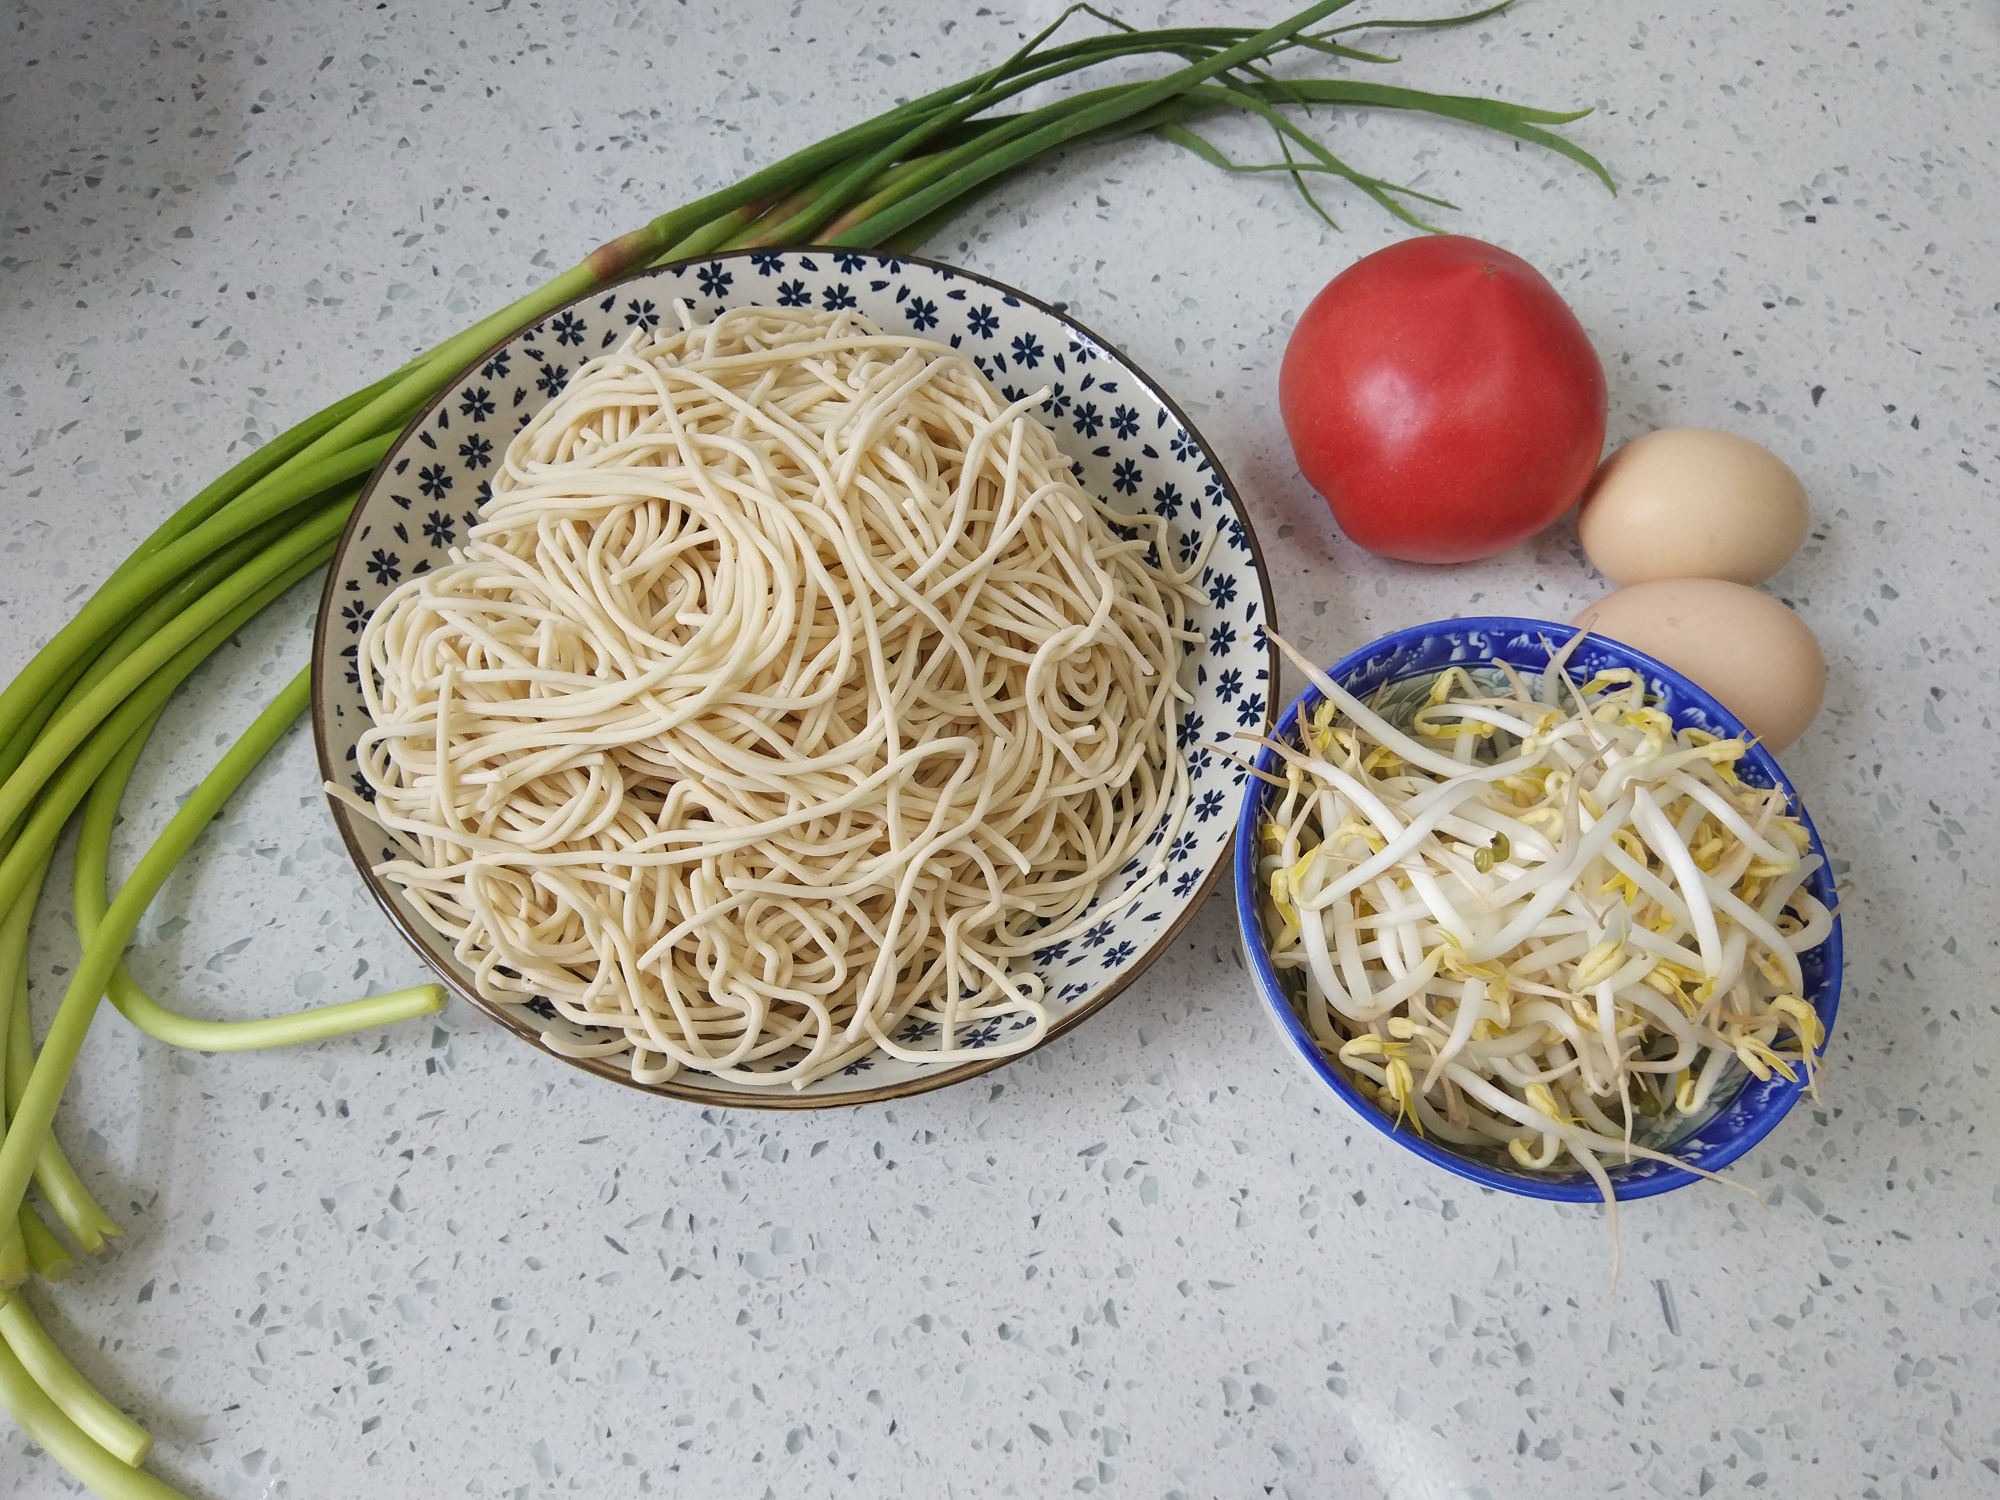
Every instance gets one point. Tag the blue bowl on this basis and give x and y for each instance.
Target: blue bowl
(1743, 1119)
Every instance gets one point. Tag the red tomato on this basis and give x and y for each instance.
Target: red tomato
(1444, 399)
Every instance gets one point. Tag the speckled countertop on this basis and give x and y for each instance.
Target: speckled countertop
(1151, 1260)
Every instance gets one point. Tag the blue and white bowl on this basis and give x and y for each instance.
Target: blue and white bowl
(1127, 440)
(1740, 1118)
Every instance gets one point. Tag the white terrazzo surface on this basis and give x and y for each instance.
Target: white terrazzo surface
(1150, 1261)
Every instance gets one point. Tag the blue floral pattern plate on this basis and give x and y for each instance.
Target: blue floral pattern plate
(1127, 440)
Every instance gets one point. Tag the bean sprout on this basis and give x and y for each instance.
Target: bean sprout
(1531, 928)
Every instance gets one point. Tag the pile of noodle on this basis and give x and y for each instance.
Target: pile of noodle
(787, 695)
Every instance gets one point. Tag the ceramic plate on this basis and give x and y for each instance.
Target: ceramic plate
(1127, 441)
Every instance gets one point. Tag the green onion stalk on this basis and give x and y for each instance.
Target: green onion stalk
(75, 720)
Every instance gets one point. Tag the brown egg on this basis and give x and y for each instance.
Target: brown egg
(1746, 648)
(1689, 502)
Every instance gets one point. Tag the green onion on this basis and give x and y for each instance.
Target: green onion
(76, 719)
(46, 1255)
(48, 1424)
(14, 1266)
(88, 1224)
(105, 1423)
(141, 1009)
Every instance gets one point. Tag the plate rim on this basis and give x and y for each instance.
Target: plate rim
(422, 939)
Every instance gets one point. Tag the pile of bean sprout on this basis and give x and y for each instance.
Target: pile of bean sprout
(1539, 918)
(788, 690)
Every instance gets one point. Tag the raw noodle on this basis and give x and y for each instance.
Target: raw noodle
(788, 690)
